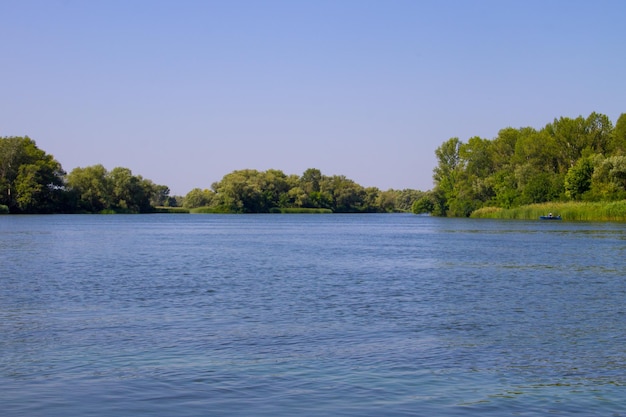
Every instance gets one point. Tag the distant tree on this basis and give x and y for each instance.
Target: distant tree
(161, 197)
(387, 201)
(576, 158)
(94, 189)
(425, 204)
(310, 180)
(90, 188)
(608, 181)
(446, 174)
(618, 138)
(599, 132)
(31, 181)
(198, 198)
(578, 178)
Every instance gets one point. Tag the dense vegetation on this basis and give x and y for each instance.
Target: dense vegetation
(32, 181)
(252, 191)
(581, 159)
(570, 210)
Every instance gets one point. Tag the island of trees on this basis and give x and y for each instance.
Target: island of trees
(32, 181)
(569, 160)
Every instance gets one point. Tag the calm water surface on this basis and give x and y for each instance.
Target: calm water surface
(315, 315)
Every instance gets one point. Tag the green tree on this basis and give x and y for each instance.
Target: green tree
(618, 136)
(242, 191)
(31, 181)
(198, 198)
(94, 189)
(310, 180)
(608, 181)
(446, 175)
(343, 194)
(425, 204)
(599, 131)
(161, 197)
(90, 188)
(578, 178)
(131, 193)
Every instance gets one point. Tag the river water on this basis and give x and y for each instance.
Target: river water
(311, 315)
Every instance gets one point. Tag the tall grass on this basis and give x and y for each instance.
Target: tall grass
(575, 211)
(209, 210)
(171, 210)
(301, 210)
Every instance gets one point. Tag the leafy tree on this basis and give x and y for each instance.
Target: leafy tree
(31, 181)
(90, 188)
(161, 197)
(242, 192)
(608, 181)
(576, 158)
(618, 137)
(310, 180)
(504, 185)
(599, 132)
(387, 201)
(578, 178)
(446, 174)
(94, 189)
(198, 198)
(296, 197)
(425, 204)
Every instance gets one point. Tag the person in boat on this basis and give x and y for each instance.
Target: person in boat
(550, 215)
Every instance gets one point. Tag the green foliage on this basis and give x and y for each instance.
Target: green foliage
(608, 181)
(209, 210)
(95, 190)
(424, 204)
(301, 210)
(569, 211)
(252, 191)
(31, 181)
(198, 198)
(578, 178)
(4, 209)
(569, 159)
(171, 210)
(618, 138)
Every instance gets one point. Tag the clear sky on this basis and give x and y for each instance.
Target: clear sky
(184, 92)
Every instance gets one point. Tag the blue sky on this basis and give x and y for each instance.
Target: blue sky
(184, 92)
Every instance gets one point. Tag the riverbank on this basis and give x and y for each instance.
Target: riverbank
(574, 211)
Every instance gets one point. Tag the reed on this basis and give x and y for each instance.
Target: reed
(571, 211)
(301, 210)
(171, 210)
(209, 210)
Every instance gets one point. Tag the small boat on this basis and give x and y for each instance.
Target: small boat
(550, 217)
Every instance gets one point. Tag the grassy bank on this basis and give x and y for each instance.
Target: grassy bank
(176, 210)
(301, 210)
(579, 211)
(276, 210)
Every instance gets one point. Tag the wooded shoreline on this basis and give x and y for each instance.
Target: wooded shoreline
(578, 166)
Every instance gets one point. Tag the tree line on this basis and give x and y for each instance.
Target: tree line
(32, 181)
(253, 191)
(570, 159)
